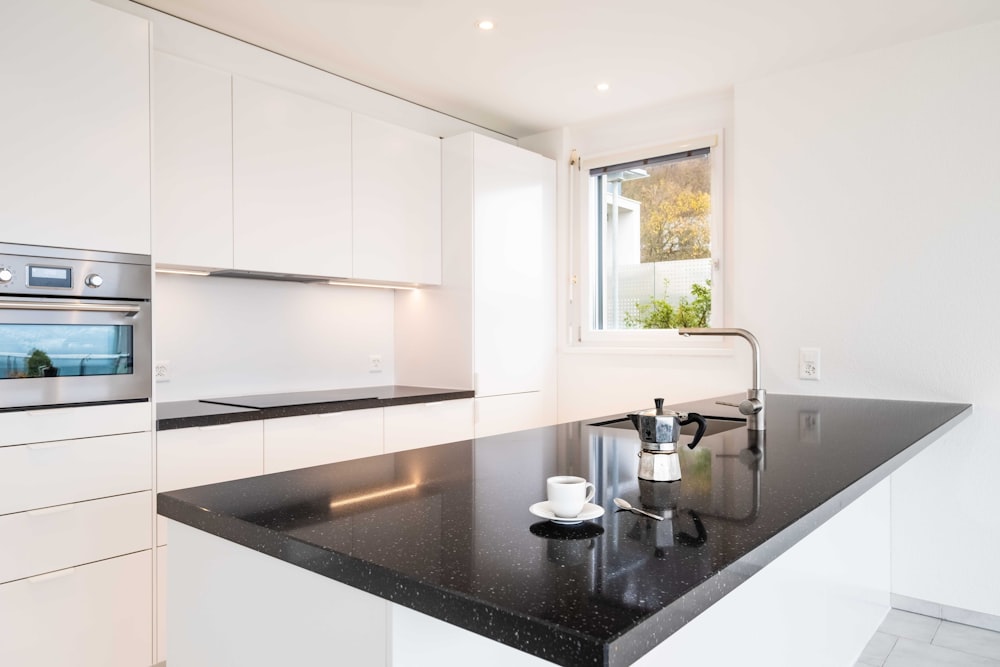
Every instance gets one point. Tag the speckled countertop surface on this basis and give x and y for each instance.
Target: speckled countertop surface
(446, 530)
(227, 410)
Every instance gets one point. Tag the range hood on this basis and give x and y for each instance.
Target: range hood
(264, 275)
(282, 277)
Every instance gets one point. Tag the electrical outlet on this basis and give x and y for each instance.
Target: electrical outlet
(161, 371)
(809, 363)
(374, 363)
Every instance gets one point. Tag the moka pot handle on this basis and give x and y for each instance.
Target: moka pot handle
(695, 417)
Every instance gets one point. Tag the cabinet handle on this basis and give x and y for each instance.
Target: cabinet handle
(58, 574)
(48, 445)
(57, 509)
(215, 427)
(49, 412)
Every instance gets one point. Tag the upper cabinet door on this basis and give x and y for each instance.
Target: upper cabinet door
(514, 205)
(291, 182)
(192, 164)
(397, 203)
(74, 126)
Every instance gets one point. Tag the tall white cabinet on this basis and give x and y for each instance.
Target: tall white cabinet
(74, 126)
(491, 324)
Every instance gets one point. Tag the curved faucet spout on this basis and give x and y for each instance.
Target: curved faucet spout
(753, 407)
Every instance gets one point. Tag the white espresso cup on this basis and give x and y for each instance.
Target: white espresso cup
(568, 495)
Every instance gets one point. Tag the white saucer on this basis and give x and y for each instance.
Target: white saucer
(590, 511)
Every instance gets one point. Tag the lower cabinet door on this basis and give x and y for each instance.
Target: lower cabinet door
(97, 615)
(67, 471)
(312, 440)
(512, 412)
(206, 455)
(55, 538)
(426, 424)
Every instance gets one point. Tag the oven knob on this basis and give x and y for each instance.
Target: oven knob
(6, 275)
(93, 280)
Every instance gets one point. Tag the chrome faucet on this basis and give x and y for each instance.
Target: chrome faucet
(753, 406)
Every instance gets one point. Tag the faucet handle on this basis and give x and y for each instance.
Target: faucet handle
(747, 407)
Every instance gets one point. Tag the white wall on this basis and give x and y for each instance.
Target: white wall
(866, 223)
(229, 336)
(595, 381)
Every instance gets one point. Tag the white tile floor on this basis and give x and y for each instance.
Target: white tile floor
(912, 640)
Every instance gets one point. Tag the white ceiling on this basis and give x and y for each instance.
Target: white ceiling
(538, 69)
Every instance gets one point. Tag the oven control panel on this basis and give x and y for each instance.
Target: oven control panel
(37, 272)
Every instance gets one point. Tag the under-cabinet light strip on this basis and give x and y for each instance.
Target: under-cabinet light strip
(350, 284)
(183, 272)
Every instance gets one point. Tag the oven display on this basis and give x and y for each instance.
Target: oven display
(50, 276)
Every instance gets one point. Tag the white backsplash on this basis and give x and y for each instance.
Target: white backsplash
(227, 336)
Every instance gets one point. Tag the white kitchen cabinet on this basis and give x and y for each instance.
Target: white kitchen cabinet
(491, 325)
(97, 615)
(206, 455)
(512, 412)
(58, 537)
(67, 471)
(45, 425)
(192, 164)
(426, 424)
(311, 440)
(74, 126)
(513, 201)
(291, 182)
(76, 515)
(397, 203)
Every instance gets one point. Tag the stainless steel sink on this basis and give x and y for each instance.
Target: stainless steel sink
(712, 426)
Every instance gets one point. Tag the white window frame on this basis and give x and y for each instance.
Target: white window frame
(584, 274)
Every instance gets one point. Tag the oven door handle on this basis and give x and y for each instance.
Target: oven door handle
(127, 310)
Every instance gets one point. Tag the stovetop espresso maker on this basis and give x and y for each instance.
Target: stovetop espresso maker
(659, 431)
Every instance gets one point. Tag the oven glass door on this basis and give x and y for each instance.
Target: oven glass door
(58, 352)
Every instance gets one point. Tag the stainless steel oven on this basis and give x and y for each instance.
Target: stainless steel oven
(74, 327)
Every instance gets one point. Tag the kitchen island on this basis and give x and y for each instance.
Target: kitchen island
(776, 538)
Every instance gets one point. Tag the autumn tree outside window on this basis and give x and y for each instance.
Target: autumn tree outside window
(653, 237)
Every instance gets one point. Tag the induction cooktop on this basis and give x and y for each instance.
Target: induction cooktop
(284, 400)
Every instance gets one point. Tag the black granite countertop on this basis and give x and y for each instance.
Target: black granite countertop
(226, 410)
(446, 530)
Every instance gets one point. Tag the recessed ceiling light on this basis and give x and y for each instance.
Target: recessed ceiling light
(486, 24)
(603, 87)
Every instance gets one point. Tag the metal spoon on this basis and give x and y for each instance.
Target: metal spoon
(625, 505)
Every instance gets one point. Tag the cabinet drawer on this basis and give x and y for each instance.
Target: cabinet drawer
(58, 537)
(27, 426)
(68, 471)
(206, 455)
(97, 614)
(426, 424)
(311, 440)
(512, 412)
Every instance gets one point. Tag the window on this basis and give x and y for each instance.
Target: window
(650, 255)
